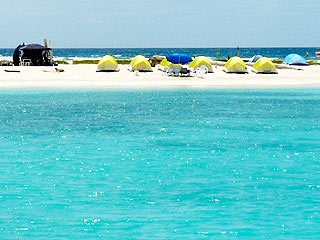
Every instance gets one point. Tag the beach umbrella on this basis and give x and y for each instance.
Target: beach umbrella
(179, 58)
(295, 59)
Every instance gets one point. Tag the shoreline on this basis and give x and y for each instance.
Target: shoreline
(86, 77)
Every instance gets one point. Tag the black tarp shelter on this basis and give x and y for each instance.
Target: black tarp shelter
(33, 55)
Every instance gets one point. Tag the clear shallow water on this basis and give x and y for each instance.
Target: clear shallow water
(175, 164)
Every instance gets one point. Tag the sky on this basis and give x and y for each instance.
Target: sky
(165, 23)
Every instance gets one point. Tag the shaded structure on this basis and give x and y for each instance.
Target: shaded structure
(265, 65)
(200, 61)
(108, 64)
(236, 65)
(141, 64)
(156, 59)
(179, 58)
(295, 59)
(32, 55)
(255, 58)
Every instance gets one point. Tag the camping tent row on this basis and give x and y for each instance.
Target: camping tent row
(291, 59)
(262, 65)
(140, 63)
(109, 64)
(233, 65)
(198, 62)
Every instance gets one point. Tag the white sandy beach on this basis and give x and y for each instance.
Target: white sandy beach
(85, 76)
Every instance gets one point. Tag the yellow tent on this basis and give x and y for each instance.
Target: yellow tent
(141, 64)
(236, 65)
(265, 65)
(199, 61)
(174, 69)
(107, 64)
(175, 66)
(165, 63)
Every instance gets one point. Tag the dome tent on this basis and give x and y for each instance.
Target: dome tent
(141, 64)
(255, 58)
(175, 66)
(236, 65)
(165, 63)
(199, 61)
(107, 64)
(295, 59)
(265, 65)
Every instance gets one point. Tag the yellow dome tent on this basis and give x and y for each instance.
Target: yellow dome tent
(265, 65)
(141, 64)
(199, 61)
(165, 63)
(236, 65)
(107, 64)
(174, 69)
(175, 66)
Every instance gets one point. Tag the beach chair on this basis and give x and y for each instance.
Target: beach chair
(184, 72)
(170, 72)
(204, 69)
(201, 71)
(26, 62)
(176, 72)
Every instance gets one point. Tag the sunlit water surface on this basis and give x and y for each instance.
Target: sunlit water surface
(161, 164)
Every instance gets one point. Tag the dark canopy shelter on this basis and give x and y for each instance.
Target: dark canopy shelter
(32, 54)
(16, 54)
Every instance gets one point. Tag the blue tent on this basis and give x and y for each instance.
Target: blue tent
(295, 59)
(179, 58)
(255, 58)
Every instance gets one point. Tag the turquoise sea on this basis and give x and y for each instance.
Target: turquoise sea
(128, 53)
(160, 164)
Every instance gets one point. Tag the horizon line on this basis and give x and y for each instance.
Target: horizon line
(170, 47)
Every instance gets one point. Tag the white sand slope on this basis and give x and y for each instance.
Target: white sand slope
(85, 76)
